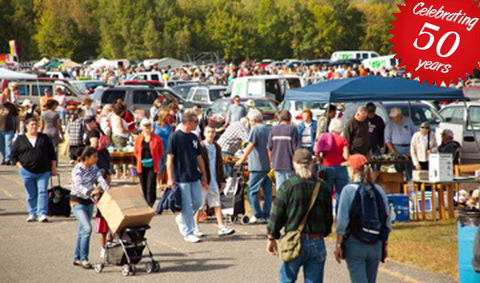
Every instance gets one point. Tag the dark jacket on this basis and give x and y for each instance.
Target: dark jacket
(36, 159)
(218, 165)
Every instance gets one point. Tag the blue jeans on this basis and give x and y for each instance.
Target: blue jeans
(228, 168)
(83, 213)
(191, 202)
(36, 186)
(281, 176)
(338, 176)
(312, 258)
(260, 179)
(362, 260)
(6, 138)
(401, 168)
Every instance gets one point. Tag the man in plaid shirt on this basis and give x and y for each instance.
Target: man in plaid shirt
(232, 139)
(76, 129)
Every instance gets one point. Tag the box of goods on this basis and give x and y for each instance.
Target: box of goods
(440, 167)
(420, 175)
(124, 207)
(390, 182)
(399, 207)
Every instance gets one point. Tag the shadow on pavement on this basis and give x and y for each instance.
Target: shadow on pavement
(17, 213)
(194, 265)
(234, 237)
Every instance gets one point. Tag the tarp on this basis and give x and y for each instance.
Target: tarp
(12, 75)
(371, 88)
(41, 63)
(167, 61)
(70, 64)
(54, 63)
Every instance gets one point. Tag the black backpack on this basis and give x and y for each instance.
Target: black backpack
(368, 216)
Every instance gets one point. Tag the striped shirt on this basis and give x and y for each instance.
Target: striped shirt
(283, 141)
(84, 180)
(76, 130)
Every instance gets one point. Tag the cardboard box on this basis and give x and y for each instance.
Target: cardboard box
(420, 175)
(390, 182)
(124, 207)
(440, 167)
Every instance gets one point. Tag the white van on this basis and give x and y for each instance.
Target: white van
(146, 76)
(353, 54)
(269, 86)
(376, 64)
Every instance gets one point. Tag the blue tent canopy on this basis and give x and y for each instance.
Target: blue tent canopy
(371, 88)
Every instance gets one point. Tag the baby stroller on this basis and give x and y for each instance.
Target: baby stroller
(232, 198)
(126, 250)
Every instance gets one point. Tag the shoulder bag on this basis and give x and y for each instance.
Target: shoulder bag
(290, 246)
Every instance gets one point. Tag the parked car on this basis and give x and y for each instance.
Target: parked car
(267, 86)
(34, 89)
(184, 89)
(266, 106)
(418, 111)
(456, 113)
(142, 82)
(60, 75)
(205, 95)
(296, 108)
(174, 83)
(351, 54)
(134, 97)
(87, 87)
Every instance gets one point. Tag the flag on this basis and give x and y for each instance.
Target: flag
(13, 48)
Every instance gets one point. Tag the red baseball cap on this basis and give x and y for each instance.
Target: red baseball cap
(356, 161)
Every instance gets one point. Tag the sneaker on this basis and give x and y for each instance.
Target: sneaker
(31, 218)
(43, 218)
(198, 232)
(71, 162)
(262, 221)
(253, 220)
(191, 239)
(223, 231)
(180, 224)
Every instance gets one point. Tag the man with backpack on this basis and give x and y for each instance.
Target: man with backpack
(363, 223)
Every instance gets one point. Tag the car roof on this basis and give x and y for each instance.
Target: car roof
(210, 86)
(461, 103)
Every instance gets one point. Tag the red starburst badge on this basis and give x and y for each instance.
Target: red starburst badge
(437, 40)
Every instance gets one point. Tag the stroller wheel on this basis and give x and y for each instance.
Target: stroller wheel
(126, 270)
(245, 220)
(98, 267)
(133, 270)
(149, 266)
(156, 266)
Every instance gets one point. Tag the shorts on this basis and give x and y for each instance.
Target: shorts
(211, 197)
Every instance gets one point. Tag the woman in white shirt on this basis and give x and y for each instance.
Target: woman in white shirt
(422, 144)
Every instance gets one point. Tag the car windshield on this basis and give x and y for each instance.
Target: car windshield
(182, 90)
(216, 94)
(300, 105)
(79, 86)
(265, 106)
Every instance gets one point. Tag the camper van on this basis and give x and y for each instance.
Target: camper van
(376, 64)
(268, 86)
(360, 55)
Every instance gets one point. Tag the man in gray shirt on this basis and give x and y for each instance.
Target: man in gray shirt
(236, 111)
(259, 167)
(398, 134)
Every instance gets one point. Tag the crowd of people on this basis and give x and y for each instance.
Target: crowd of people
(181, 148)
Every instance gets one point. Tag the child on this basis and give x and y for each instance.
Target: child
(102, 227)
(212, 157)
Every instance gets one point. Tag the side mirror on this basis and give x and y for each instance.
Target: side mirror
(449, 119)
(227, 94)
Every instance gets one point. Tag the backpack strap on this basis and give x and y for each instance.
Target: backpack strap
(316, 189)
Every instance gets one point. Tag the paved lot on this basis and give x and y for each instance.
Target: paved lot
(42, 252)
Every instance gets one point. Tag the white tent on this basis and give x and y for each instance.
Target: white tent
(167, 61)
(41, 63)
(12, 75)
(104, 63)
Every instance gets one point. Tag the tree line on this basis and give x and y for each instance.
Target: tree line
(236, 29)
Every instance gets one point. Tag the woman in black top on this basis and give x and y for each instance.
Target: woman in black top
(93, 139)
(35, 157)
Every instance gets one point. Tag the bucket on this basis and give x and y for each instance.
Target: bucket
(467, 225)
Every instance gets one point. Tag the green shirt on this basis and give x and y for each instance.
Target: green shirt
(291, 204)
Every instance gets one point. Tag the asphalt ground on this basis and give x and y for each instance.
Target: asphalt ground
(43, 252)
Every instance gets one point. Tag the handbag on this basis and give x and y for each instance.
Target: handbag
(147, 162)
(290, 246)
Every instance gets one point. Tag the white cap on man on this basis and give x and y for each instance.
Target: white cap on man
(395, 111)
